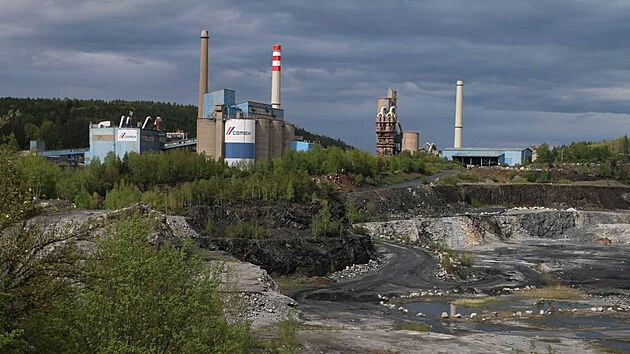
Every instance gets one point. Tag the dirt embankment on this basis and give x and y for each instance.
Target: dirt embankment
(407, 202)
(545, 195)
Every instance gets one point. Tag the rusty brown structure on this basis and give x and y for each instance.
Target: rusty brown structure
(387, 126)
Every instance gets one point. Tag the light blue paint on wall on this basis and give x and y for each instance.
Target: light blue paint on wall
(303, 146)
(507, 156)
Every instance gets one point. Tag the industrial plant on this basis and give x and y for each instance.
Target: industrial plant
(476, 156)
(244, 132)
(390, 139)
(239, 133)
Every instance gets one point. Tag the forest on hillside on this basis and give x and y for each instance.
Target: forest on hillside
(64, 123)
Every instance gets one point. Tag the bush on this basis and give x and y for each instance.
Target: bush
(123, 195)
(139, 299)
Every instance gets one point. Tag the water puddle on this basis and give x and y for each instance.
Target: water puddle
(605, 329)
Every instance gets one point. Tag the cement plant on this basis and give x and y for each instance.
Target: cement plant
(282, 244)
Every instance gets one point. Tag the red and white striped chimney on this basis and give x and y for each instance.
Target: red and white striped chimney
(275, 76)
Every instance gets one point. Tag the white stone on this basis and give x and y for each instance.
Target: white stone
(444, 315)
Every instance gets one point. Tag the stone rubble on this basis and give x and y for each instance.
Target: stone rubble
(357, 270)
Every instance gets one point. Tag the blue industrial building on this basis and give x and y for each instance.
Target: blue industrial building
(489, 156)
(121, 141)
(303, 146)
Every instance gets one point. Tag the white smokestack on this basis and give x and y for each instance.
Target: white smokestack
(275, 76)
(459, 114)
(203, 72)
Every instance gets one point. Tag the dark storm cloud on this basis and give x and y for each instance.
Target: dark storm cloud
(534, 71)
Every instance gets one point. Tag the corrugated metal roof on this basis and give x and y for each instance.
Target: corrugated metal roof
(476, 155)
(485, 148)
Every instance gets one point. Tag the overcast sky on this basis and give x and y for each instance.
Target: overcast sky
(534, 71)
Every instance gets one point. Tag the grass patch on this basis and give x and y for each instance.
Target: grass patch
(477, 301)
(291, 283)
(467, 259)
(556, 292)
(411, 326)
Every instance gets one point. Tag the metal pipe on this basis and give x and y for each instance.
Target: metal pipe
(122, 121)
(275, 75)
(203, 72)
(459, 114)
(146, 121)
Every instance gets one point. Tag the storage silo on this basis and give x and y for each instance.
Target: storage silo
(288, 136)
(219, 138)
(206, 133)
(240, 141)
(410, 141)
(277, 138)
(263, 143)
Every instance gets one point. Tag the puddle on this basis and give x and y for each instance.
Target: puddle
(605, 329)
(435, 309)
(615, 344)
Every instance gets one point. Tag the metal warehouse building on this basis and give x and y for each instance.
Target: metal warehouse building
(489, 156)
(120, 141)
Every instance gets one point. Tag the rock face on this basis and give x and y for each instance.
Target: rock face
(551, 196)
(407, 202)
(281, 218)
(476, 229)
(307, 256)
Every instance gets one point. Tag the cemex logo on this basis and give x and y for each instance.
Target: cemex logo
(233, 131)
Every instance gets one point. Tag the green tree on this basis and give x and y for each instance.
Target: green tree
(139, 299)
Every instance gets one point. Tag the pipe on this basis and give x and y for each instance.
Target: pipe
(203, 72)
(122, 121)
(128, 122)
(459, 114)
(146, 121)
(392, 110)
(383, 110)
(275, 75)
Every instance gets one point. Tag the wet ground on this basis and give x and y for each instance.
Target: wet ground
(378, 308)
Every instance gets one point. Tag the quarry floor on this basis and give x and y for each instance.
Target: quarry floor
(376, 314)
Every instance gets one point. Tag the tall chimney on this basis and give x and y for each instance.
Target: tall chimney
(459, 114)
(203, 72)
(275, 76)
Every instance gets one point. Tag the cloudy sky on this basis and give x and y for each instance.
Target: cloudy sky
(534, 71)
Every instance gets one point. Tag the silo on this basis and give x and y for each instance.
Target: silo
(289, 135)
(206, 135)
(410, 141)
(220, 139)
(240, 141)
(263, 132)
(277, 138)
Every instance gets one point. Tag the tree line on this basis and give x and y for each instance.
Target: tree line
(64, 123)
(173, 180)
(615, 150)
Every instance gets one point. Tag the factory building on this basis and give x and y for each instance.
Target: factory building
(473, 156)
(241, 132)
(390, 139)
(489, 156)
(122, 140)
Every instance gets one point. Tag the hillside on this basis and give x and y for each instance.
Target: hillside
(63, 123)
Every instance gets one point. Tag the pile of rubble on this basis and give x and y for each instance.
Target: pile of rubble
(358, 270)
